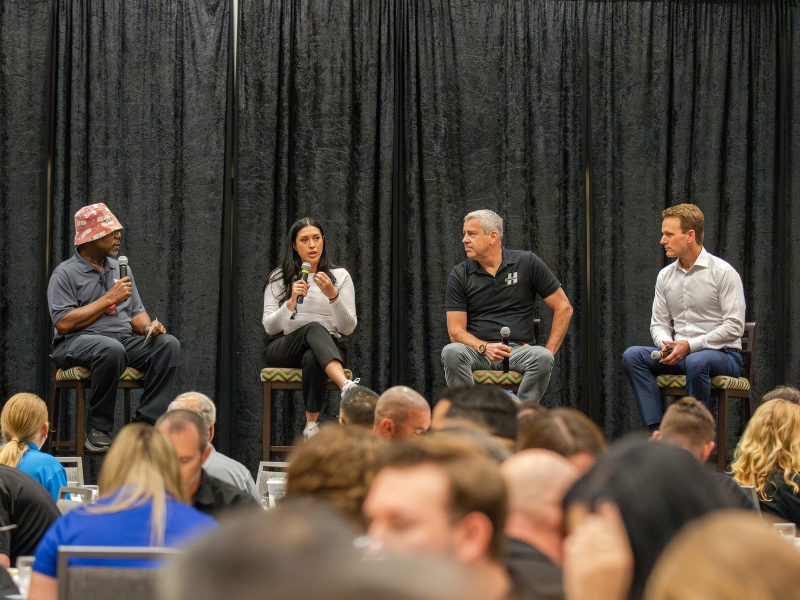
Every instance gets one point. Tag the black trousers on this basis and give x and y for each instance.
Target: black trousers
(107, 356)
(311, 348)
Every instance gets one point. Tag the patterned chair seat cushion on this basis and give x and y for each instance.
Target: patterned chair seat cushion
(723, 382)
(485, 377)
(278, 375)
(78, 373)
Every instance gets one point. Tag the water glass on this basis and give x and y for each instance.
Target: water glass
(24, 569)
(786, 530)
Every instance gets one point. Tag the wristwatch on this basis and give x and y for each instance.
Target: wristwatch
(482, 348)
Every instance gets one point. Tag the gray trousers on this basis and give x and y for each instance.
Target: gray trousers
(535, 362)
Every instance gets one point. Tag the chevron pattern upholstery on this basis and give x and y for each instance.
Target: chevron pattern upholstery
(723, 382)
(278, 375)
(78, 373)
(485, 377)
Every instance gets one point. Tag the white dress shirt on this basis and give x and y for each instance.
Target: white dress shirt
(338, 318)
(705, 304)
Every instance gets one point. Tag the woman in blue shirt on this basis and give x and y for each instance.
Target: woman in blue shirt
(143, 502)
(25, 428)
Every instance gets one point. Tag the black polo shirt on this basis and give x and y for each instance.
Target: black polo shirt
(214, 496)
(505, 300)
(24, 502)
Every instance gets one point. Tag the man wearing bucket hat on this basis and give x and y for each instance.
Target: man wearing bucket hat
(101, 324)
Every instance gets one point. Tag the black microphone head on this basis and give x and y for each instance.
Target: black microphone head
(505, 332)
(305, 267)
(122, 261)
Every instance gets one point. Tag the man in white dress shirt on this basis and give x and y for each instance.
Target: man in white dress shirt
(217, 465)
(698, 317)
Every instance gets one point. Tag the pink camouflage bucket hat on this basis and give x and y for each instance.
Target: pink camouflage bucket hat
(94, 222)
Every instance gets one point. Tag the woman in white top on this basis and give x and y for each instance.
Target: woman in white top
(308, 334)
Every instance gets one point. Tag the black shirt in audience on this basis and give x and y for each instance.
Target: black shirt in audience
(727, 483)
(534, 576)
(24, 502)
(783, 502)
(215, 496)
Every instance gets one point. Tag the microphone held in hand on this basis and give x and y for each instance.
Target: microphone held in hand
(122, 261)
(658, 355)
(304, 269)
(505, 333)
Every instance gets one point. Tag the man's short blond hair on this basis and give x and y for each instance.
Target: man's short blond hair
(691, 218)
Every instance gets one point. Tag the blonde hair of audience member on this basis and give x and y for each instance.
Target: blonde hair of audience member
(729, 555)
(770, 443)
(23, 421)
(338, 466)
(141, 465)
(567, 432)
(689, 425)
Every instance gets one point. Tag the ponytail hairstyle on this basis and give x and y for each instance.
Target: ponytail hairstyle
(289, 272)
(21, 421)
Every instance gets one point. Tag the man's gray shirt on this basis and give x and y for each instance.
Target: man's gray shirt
(231, 472)
(76, 283)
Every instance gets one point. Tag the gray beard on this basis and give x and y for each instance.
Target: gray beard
(113, 252)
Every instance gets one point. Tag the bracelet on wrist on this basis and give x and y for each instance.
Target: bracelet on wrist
(332, 300)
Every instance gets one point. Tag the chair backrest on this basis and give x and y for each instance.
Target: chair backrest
(79, 582)
(73, 465)
(267, 469)
(84, 493)
(750, 490)
(748, 351)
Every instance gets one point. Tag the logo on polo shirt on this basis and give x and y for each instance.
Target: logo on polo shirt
(511, 278)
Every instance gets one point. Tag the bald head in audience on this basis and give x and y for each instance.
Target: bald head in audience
(401, 414)
(537, 482)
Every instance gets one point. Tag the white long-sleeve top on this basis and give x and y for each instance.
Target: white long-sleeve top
(705, 304)
(339, 318)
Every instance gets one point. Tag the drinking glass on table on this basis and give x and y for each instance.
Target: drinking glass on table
(24, 568)
(786, 530)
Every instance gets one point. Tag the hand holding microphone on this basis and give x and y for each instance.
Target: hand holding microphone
(672, 353)
(505, 333)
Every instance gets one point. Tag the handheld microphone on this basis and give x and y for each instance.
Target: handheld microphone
(505, 333)
(304, 269)
(658, 355)
(122, 261)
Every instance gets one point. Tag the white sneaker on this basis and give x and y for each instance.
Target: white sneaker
(311, 430)
(350, 382)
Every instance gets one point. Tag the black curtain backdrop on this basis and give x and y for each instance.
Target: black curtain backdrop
(577, 120)
(315, 140)
(24, 38)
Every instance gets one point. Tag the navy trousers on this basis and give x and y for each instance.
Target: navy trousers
(699, 368)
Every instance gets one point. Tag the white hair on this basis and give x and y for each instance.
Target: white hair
(196, 403)
(490, 221)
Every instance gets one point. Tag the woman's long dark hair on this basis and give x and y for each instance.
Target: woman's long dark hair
(289, 272)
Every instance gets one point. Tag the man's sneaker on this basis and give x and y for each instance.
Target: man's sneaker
(97, 441)
(311, 430)
(350, 382)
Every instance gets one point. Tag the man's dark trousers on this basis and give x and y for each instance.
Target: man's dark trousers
(699, 367)
(107, 357)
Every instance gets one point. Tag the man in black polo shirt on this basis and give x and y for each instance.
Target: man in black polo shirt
(495, 288)
(189, 437)
(101, 324)
(24, 502)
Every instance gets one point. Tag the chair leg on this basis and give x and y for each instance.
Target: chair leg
(722, 431)
(80, 419)
(54, 413)
(749, 407)
(266, 425)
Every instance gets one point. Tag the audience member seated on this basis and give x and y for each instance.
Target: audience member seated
(443, 497)
(300, 550)
(528, 412)
(768, 458)
(25, 428)
(782, 392)
(537, 482)
(189, 437)
(484, 405)
(337, 466)
(27, 505)
(357, 406)
(567, 432)
(142, 503)
(689, 425)
(401, 414)
(217, 465)
(632, 503)
(726, 556)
